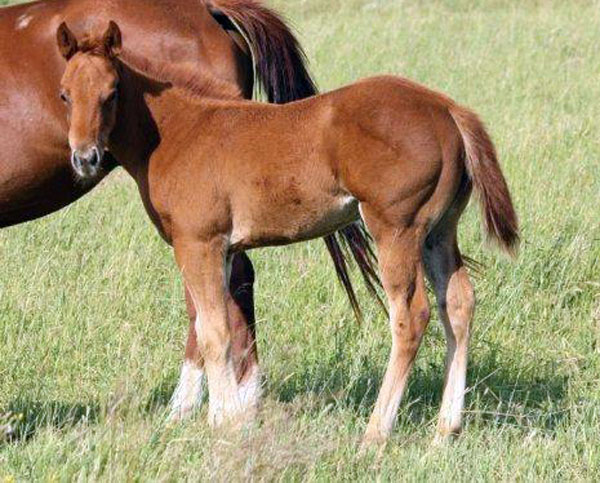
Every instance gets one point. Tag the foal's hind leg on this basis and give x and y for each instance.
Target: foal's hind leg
(399, 251)
(456, 302)
(189, 391)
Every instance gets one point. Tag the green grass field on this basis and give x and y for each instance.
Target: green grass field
(92, 320)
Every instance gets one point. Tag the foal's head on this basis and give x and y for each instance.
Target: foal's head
(89, 88)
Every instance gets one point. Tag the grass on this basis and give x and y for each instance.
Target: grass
(93, 324)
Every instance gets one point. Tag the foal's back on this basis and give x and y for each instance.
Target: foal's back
(287, 173)
(406, 117)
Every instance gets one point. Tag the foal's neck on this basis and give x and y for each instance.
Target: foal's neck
(151, 110)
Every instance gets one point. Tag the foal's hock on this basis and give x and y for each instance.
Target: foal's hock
(219, 177)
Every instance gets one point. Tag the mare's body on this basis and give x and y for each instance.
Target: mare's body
(400, 155)
(35, 172)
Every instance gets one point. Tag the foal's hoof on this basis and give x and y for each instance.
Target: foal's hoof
(178, 415)
(235, 421)
(443, 438)
(373, 441)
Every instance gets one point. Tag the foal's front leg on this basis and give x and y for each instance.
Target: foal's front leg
(188, 394)
(190, 388)
(204, 267)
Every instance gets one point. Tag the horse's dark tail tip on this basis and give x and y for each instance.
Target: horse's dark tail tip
(355, 240)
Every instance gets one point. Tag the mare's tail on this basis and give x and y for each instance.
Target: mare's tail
(281, 68)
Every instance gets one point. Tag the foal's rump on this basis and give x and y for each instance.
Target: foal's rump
(395, 143)
(407, 146)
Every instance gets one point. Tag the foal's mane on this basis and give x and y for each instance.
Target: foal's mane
(192, 81)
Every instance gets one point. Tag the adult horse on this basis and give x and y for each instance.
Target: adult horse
(194, 35)
(403, 158)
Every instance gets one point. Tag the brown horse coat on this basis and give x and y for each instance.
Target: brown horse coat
(219, 177)
(191, 35)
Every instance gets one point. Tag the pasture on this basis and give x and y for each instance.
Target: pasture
(93, 323)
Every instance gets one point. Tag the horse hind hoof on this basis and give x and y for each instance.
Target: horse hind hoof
(373, 441)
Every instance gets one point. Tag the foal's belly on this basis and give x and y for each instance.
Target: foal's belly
(300, 221)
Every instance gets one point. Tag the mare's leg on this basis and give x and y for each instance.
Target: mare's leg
(456, 302)
(240, 305)
(399, 251)
(204, 265)
(189, 391)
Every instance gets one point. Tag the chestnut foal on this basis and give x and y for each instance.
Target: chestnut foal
(221, 39)
(219, 177)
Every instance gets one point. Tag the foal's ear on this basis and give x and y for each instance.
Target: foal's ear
(67, 43)
(112, 40)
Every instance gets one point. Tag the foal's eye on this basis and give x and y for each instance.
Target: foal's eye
(64, 97)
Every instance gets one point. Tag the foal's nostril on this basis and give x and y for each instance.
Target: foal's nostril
(94, 157)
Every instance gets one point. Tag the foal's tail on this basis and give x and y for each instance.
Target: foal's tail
(500, 218)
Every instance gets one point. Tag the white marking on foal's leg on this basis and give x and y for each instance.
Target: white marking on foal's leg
(189, 391)
(251, 390)
(233, 402)
(456, 302)
(385, 412)
(188, 394)
(23, 21)
(224, 403)
(454, 393)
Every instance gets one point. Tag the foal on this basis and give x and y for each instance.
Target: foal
(219, 177)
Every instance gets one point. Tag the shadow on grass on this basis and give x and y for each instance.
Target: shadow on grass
(160, 396)
(496, 395)
(23, 419)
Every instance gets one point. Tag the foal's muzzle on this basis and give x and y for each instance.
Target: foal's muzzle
(86, 162)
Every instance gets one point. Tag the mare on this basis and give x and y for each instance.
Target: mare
(219, 39)
(403, 158)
